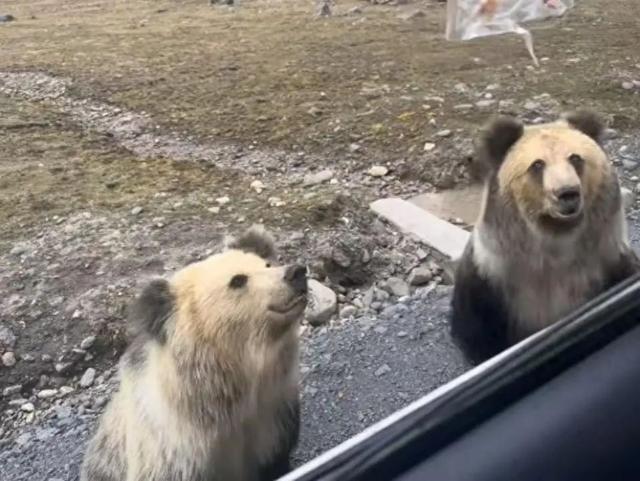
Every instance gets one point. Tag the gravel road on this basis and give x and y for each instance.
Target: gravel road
(354, 375)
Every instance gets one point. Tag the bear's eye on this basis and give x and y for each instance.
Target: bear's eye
(268, 264)
(238, 281)
(537, 166)
(576, 161)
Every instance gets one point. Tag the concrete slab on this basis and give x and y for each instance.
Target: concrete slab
(446, 238)
(449, 204)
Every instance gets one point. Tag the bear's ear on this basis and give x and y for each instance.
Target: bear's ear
(496, 140)
(150, 310)
(256, 240)
(587, 122)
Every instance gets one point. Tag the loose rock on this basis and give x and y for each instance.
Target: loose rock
(87, 342)
(382, 370)
(258, 186)
(627, 197)
(429, 146)
(27, 407)
(378, 171)
(348, 311)
(444, 133)
(317, 178)
(9, 359)
(420, 276)
(88, 377)
(7, 337)
(47, 393)
(397, 287)
(11, 390)
(322, 303)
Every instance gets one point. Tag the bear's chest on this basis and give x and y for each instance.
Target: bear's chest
(536, 298)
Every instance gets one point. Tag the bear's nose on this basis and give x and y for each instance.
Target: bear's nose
(296, 277)
(568, 199)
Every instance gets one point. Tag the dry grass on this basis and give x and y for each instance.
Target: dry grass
(272, 73)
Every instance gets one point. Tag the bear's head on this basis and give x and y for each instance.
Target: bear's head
(552, 173)
(235, 299)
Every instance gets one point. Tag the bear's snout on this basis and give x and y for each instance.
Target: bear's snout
(296, 277)
(568, 200)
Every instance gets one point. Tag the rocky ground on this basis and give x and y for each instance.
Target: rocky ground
(117, 163)
(404, 353)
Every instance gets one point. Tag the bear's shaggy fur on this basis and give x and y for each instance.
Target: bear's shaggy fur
(551, 234)
(209, 385)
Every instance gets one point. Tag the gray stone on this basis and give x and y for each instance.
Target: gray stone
(420, 276)
(317, 178)
(378, 171)
(485, 104)
(47, 393)
(444, 133)
(27, 407)
(87, 342)
(7, 18)
(11, 390)
(348, 311)
(7, 337)
(629, 164)
(322, 303)
(136, 211)
(397, 287)
(627, 85)
(9, 359)
(87, 378)
(368, 297)
(627, 197)
(382, 370)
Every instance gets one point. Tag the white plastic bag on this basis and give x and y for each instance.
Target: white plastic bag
(467, 19)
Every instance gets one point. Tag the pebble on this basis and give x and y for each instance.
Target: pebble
(402, 334)
(11, 390)
(382, 370)
(47, 393)
(87, 378)
(27, 407)
(322, 303)
(258, 186)
(87, 342)
(317, 178)
(463, 107)
(429, 146)
(627, 197)
(348, 311)
(9, 359)
(397, 287)
(223, 200)
(65, 390)
(420, 276)
(444, 133)
(214, 210)
(7, 337)
(136, 211)
(530, 105)
(276, 202)
(62, 366)
(627, 85)
(629, 164)
(378, 171)
(484, 104)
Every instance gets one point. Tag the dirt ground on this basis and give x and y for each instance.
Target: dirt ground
(84, 216)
